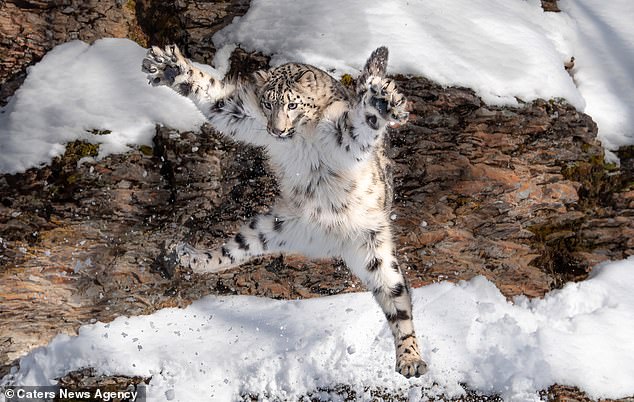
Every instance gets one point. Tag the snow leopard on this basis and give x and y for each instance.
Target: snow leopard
(325, 145)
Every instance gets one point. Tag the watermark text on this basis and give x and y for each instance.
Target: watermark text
(55, 393)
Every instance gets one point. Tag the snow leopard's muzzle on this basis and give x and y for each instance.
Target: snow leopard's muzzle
(281, 134)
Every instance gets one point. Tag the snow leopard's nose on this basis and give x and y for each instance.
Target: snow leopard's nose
(276, 131)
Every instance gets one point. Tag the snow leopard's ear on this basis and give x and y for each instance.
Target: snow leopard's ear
(375, 66)
(306, 78)
(261, 77)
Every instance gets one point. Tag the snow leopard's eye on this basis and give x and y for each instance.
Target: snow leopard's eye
(292, 106)
(267, 105)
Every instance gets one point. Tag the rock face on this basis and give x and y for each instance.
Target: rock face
(189, 24)
(500, 192)
(550, 5)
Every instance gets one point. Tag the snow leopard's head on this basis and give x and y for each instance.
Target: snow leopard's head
(292, 95)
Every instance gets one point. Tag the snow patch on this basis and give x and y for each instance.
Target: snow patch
(604, 65)
(504, 49)
(77, 88)
(221, 347)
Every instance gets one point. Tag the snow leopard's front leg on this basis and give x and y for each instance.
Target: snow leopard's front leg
(168, 67)
(231, 109)
(375, 263)
(356, 131)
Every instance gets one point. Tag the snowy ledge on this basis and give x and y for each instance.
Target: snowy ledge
(504, 50)
(224, 347)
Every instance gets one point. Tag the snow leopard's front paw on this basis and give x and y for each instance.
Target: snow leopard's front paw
(164, 66)
(384, 101)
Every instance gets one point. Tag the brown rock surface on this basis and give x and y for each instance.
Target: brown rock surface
(500, 192)
(188, 23)
(550, 5)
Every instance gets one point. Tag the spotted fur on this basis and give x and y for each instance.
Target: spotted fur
(325, 145)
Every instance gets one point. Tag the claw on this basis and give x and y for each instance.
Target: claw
(147, 65)
(413, 369)
(386, 100)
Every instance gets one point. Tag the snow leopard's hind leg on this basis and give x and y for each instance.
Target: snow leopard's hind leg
(264, 234)
(375, 263)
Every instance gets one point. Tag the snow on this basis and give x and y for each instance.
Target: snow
(77, 88)
(506, 50)
(500, 48)
(222, 347)
(604, 65)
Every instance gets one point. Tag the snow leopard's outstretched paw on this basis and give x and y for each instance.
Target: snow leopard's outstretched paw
(384, 99)
(164, 66)
(408, 360)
